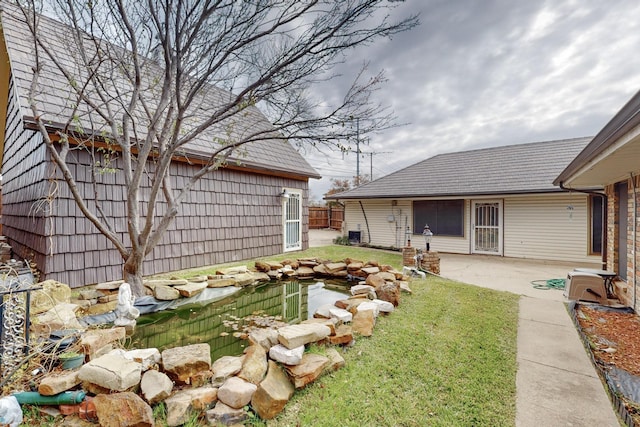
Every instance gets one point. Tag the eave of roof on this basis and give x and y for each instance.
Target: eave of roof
(623, 123)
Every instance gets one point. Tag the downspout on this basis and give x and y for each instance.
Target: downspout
(633, 246)
(366, 221)
(604, 218)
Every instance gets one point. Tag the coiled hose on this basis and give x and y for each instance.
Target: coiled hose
(548, 284)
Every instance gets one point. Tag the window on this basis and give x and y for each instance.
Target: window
(445, 217)
(596, 214)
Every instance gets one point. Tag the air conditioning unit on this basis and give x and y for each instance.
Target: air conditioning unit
(589, 287)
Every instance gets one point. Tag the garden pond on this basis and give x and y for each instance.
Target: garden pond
(219, 322)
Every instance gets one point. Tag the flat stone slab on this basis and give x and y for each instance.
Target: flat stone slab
(296, 335)
(191, 289)
(112, 372)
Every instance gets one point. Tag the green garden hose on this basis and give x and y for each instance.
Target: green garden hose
(548, 284)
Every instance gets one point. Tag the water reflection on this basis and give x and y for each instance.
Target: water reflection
(191, 324)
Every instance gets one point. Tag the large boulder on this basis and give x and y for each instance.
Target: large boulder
(184, 363)
(123, 410)
(61, 316)
(273, 393)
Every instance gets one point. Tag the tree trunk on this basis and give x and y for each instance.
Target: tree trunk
(132, 274)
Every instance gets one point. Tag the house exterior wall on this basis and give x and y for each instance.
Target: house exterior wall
(536, 226)
(548, 226)
(24, 186)
(228, 216)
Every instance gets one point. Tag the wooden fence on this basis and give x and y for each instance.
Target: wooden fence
(326, 217)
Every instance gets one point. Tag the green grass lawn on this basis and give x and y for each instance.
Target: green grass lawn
(446, 357)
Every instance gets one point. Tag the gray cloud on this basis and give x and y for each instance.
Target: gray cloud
(493, 72)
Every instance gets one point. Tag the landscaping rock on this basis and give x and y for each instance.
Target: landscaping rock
(51, 294)
(165, 293)
(155, 386)
(236, 392)
(266, 337)
(384, 306)
(183, 363)
(191, 289)
(273, 393)
(111, 372)
(368, 305)
(282, 354)
(404, 287)
(324, 311)
(262, 266)
(371, 270)
(330, 323)
(226, 367)
(304, 272)
(309, 369)
(320, 270)
(225, 415)
(97, 309)
(244, 279)
(364, 322)
(109, 286)
(361, 289)
(375, 280)
(341, 314)
(343, 335)
(334, 267)
(58, 382)
(62, 316)
(336, 361)
(221, 283)
(180, 405)
(147, 357)
(254, 367)
(94, 340)
(389, 292)
(123, 410)
(296, 335)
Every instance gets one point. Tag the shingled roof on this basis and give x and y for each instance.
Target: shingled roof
(56, 104)
(511, 169)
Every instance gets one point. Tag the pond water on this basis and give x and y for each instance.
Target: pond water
(213, 322)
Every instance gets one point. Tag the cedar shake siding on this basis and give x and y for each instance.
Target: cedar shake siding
(229, 216)
(24, 186)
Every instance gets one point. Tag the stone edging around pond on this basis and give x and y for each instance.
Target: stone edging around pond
(265, 377)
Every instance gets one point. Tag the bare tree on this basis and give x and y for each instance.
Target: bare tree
(150, 80)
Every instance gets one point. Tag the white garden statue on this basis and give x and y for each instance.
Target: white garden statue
(126, 313)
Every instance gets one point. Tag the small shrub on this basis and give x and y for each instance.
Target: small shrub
(342, 240)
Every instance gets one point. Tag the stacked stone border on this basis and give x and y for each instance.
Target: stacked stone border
(121, 386)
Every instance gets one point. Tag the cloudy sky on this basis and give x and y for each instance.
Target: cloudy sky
(484, 73)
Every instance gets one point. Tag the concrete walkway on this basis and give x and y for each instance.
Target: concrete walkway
(556, 383)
